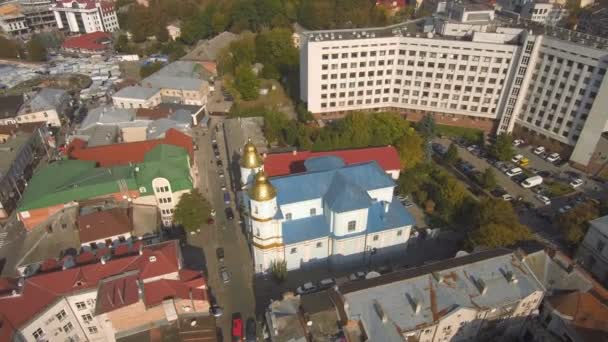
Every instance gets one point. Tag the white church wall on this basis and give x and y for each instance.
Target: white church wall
(384, 194)
(302, 209)
(341, 222)
(306, 252)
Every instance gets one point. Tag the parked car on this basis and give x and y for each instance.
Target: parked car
(226, 197)
(576, 182)
(326, 283)
(212, 213)
(564, 209)
(217, 311)
(219, 163)
(210, 220)
(561, 162)
(523, 162)
(472, 148)
(220, 254)
(538, 150)
(532, 181)
(229, 213)
(237, 327)
(306, 288)
(518, 142)
(543, 199)
(516, 158)
(553, 157)
(505, 167)
(519, 178)
(514, 172)
(221, 173)
(544, 173)
(224, 274)
(357, 276)
(250, 335)
(498, 192)
(507, 197)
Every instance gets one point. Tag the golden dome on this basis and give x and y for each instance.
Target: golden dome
(250, 159)
(262, 190)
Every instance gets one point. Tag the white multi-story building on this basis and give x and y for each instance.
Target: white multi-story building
(137, 97)
(549, 81)
(85, 16)
(330, 213)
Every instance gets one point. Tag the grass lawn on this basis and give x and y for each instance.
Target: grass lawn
(471, 135)
(277, 99)
(557, 189)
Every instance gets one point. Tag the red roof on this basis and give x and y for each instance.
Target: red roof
(279, 164)
(91, 41)
(391, 3)
(88, 4)
(117, 292)
(125, 153)
(157, 291)
(104, 224)
(41, 290)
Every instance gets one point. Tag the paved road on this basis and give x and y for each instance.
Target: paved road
(237, 295)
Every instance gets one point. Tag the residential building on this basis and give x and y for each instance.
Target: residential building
(545, 81)
(48, 105)
(480, 296)
(20, 149)
(12, 20)
(88, 43)
(281, 164)
(9, 108)
(593, 251)
(105, 298)
(38, 14)
(159, 180)
(85, 16)
(105, 227)
(546, 13)
(332, 213)
(180, 82)
(136, 97)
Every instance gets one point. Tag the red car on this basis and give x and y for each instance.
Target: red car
(237, 327)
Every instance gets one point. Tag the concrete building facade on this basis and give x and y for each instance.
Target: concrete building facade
(85, 16)
(593, 251)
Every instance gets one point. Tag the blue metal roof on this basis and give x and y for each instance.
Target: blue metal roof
(313, 185)
(305, 229)
(324, 163)
(343, 196)
(397, 216)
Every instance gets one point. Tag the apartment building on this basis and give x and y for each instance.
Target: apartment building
(103, 297)
(490, 75)
(136, 97)
(593, 252)
(181, 82)
(85, 16)
(478, 296)
(12, 20)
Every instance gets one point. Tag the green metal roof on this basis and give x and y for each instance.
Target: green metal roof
(74, 180)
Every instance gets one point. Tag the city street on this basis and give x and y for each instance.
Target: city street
(237, 294)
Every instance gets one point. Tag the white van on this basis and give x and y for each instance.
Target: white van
(532, 181)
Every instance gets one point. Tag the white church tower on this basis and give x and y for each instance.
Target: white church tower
(251, 163)
(265, 228)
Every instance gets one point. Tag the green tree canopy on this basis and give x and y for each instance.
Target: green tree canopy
(488, 179)
(149, 69)
(411, 149)
(8, 48)
(192, 210)
(242, 51)
(502, 148)
(274, 49)
(495, 224)
(36, 50)
(246, 83)
(451, 155)
(575, 222)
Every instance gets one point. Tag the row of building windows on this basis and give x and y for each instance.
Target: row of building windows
(416, 53)
(416, 102)
(164, 200)
(415, 65)
(376, 237)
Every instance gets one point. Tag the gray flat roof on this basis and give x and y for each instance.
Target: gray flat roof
(10, 149)
(479, 280)
(136, 92)
(601, 224)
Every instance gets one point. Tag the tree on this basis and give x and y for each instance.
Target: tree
(502, 148)
(36, 50)
(386, 128)
(275, 123)
(192, 210)
(495, 224)
(122, 44)
(304, 115)
(274, 48)
(488, 179)
(410, 148)
(8, 48)
(427, 127)
(451, 156)
(278, 269)
(148, 69)
(162, 35)
(575, 222)
(246, 83)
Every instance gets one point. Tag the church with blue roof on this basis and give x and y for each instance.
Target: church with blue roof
(331, 213)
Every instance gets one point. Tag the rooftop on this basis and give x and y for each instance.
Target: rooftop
(104, 224)
(284, 321)
(45, 99)
(137, 92)
(125, 153)
(91, 41)
(365, 176)
(183, 75)
(9, 105)
(421, 296)
(584, 312)
(279, 164)
(107, 115)
(10, 149)
(601, 224)
(208, 50)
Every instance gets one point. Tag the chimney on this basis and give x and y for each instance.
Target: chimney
(380, 311)
(141, 249)
(386, 206)
(152, 258)
(481, 286)
(438, 277)
(294, 152)
(415, 303)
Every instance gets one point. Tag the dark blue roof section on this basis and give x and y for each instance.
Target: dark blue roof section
(397, 216)
(343, 195)
(313, 185)
(324, 163)
(305, 229)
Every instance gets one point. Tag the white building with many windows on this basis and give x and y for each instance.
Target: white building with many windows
(85, 16)
(545, 80)
(330, 213)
